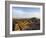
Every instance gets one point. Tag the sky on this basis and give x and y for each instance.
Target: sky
(25, 12)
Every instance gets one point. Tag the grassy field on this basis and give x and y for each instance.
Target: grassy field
(26, 24)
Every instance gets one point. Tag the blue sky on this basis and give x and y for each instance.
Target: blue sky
(25, 12)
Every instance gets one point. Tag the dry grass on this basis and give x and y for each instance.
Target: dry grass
(25, 24)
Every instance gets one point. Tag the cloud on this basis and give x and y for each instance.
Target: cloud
(27, 15)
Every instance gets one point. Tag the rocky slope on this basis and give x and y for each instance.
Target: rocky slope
(26, 24)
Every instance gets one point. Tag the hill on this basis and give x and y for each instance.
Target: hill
(26, 24)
